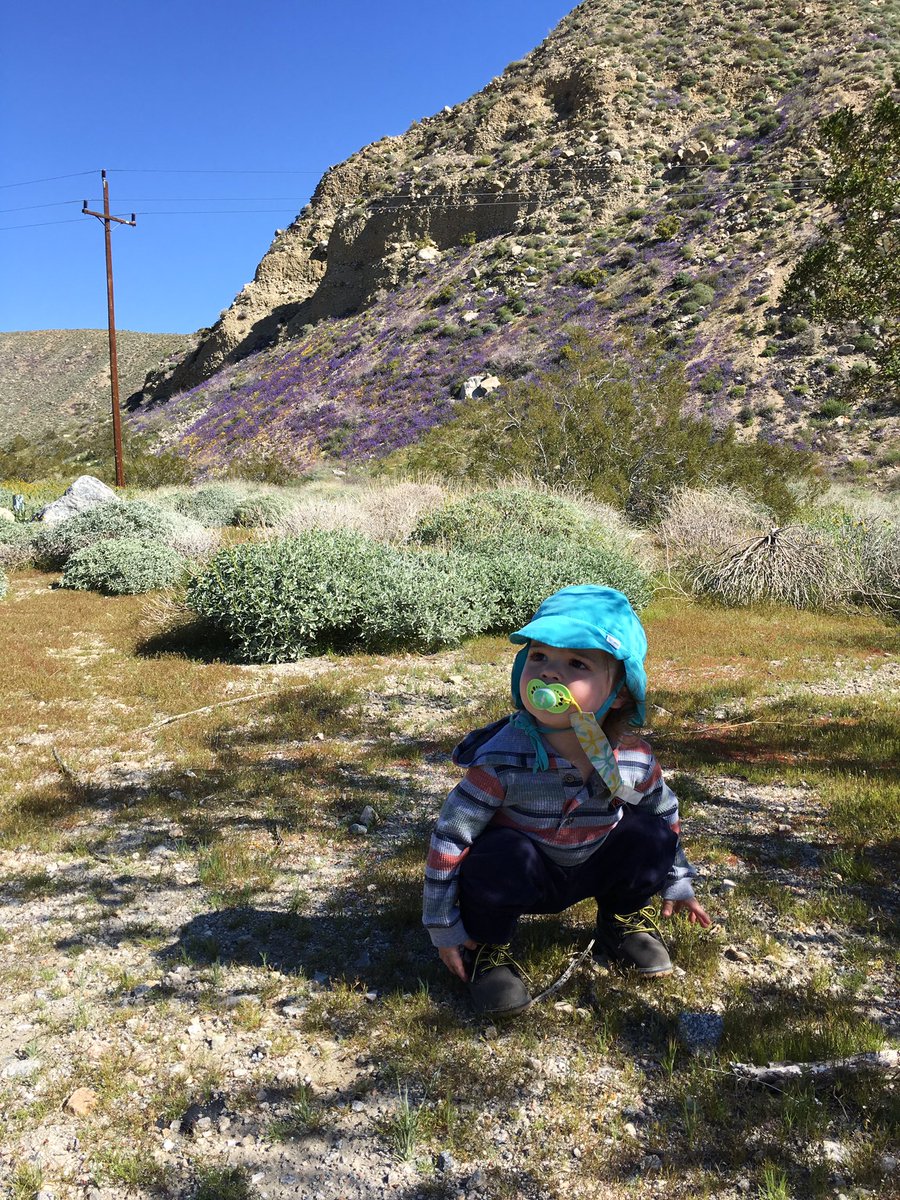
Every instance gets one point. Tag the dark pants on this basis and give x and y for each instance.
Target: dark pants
(505, 875)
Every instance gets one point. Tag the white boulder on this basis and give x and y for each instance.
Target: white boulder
(86, 492)
(477, 386)
(7, 514)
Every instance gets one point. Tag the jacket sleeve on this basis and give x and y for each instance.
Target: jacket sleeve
(466, 813)
(657, 797)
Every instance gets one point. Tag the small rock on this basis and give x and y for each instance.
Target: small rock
(649, 1164)
(357, 1106)
(445, 1161)
(700, 1032)
(737, 955)
(82, 1101)
(834, 1152)
(367, 816)
(20, 1068)
(360, 830)
(728, 885)
(631, 1129)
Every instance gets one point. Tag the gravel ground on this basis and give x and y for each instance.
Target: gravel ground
(115, 966)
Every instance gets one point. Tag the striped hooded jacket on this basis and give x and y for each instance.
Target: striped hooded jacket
(566, 817)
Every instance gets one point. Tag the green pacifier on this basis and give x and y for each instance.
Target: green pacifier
(550, 697)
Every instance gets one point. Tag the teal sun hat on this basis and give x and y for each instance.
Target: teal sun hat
(589, 617)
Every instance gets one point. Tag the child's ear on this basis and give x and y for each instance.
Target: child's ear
(623, 698)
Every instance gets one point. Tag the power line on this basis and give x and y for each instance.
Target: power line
(29, 207)
(39, 224)
(47, 179)
(653, 185)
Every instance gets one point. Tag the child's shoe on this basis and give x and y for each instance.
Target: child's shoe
(633, 940)
(495, 983)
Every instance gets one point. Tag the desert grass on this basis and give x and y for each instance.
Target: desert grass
(238, 818)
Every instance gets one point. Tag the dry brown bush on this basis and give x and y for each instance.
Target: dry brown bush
(794, 565)
(701, 525)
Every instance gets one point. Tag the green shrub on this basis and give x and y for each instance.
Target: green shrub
(588, 277)
(667, 228)
(335, 590)
(518, 571)
(610, 424)
(261, 510)
(123, 567)
(702, 294)
(136, 520)
(484, 516)
(869, 547)
(212, 506)
(713, 381)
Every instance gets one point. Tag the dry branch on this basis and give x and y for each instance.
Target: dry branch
(776, 1074)
(209, 708)
(567, 973)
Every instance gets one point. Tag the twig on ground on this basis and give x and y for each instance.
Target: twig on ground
(208, 708)
(854, 1064)
(567, 973)
(77, 785)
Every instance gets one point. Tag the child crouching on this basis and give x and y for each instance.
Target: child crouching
(559, 803)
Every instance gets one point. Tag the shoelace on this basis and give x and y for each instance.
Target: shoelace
(496, 956)
(642, 921)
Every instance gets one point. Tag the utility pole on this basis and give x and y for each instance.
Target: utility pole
(113, 356)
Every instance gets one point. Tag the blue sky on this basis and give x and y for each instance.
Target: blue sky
(196, 107)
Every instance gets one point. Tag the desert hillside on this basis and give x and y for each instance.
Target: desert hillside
(59, 378)
(650, 166)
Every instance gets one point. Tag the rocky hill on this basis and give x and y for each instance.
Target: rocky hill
(59, 378)
(650, 164)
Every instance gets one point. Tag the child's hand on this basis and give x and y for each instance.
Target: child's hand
(452, 959)
(697, 914)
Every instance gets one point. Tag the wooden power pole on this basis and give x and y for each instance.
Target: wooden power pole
(113, 356)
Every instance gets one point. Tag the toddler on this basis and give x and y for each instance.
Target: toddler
(559, 802)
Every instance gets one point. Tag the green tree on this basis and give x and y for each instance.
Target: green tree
(852, 270)
(609, 422)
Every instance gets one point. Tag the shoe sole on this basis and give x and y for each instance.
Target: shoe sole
(605, 960)
(503, 1012)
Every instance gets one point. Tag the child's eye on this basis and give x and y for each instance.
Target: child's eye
(537, 656)
(579, 664)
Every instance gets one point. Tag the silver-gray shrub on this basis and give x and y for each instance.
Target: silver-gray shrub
(213, 506)
(520, 570)
(335, 589)
(16, 544)
(264, 510)
(869, 549)
(136, 520)
(123, 567)
(483, 516)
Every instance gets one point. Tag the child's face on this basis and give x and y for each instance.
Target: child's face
(590, 675)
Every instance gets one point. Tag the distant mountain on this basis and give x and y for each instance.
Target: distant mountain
(59, 378)
(651, 164)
